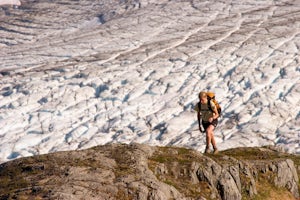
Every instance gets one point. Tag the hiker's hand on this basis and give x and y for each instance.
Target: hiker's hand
(201, 129)
(210, 119)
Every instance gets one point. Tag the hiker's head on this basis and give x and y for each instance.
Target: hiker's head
(203, 97)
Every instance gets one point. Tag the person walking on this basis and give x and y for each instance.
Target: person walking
(207, 114)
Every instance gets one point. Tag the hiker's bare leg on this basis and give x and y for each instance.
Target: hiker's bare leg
(210, 137)
(208, 140)
(213, 141)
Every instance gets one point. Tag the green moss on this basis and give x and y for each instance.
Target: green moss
(19, 177)
(10, 184)
(12, 179)
(177, 161)
(267, 190)
(263, 154)
(182, 159)
(174, 154)
(256, 153)
(246, 184)
(169, 182)
(251, 154)
(121, 194)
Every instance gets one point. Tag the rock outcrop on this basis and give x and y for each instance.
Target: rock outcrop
(76, 74)
(119, 171)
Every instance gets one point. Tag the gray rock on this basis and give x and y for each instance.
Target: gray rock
(287, 176)
(228, 188)
(250, 174)
(141, 172)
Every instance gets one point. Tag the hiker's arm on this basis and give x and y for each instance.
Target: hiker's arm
(216, 113)
(199, 119)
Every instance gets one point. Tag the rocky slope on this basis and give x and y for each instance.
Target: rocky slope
(77, 74)
(119, 171)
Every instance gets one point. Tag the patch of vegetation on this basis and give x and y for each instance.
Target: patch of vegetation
(124, 159)
(265, 153)
(183, 158)
(175, 154)
(178, 162)
(11, 179)
(256, 153)
(266, 190)
(244, 153)
(173, 166)
(122, 194)
(19, 178)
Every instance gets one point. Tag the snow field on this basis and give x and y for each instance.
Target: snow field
(134, 76)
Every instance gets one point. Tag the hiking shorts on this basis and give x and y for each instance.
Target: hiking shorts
(207, 124)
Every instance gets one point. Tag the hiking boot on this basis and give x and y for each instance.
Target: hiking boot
(207, 150)
(216, 151)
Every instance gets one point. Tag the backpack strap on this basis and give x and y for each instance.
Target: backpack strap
(208, 105)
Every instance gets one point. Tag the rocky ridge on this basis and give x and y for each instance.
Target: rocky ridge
(120, 171)
(77, 74)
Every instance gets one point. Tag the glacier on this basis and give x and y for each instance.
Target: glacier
(76, 74)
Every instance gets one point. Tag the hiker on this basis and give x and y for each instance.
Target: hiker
(207, 114)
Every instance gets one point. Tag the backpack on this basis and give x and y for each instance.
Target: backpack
(212, 97)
